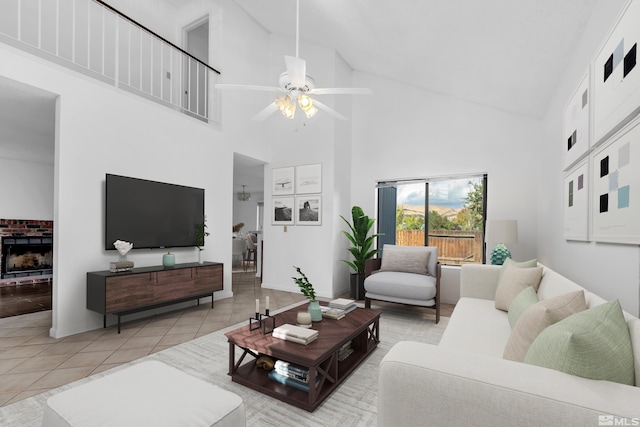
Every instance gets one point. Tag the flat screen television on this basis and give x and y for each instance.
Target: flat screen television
(151, 214)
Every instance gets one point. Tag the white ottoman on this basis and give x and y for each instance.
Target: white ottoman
(146, 394)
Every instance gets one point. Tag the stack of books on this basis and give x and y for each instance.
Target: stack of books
(332, 313)
(295, 334)
(292, 375)
(345, 351)
(343, 304)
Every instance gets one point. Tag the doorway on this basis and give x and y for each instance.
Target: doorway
(196, 81)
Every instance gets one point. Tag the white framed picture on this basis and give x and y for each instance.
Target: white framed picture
(576, 202)
(615, 194)
(282, 210)
(309, 209)
(575, 124)
(309, 179)
(616, 76)
(283, 180)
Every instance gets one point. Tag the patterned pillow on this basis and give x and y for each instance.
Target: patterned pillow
(593, 343)
(406, 259)
(520, 303)
(513, 281)
(537, 318)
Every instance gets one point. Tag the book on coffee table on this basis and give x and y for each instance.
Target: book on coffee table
(295, 334)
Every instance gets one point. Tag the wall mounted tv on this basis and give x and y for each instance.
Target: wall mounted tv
(151, 214)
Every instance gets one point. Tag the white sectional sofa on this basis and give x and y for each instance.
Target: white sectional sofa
(466, 381)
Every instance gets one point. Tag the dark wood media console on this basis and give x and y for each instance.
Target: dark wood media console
(146, 288)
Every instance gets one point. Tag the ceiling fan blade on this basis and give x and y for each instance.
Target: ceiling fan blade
(297, 69)
(269, 110)
(249, 87)
(329, 110)
(341, 91)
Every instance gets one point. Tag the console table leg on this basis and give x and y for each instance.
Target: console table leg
(118, 323)
(104, 320)
(211, 299)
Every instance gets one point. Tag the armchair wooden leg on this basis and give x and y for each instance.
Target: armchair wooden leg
(367, 302)
(437, 310)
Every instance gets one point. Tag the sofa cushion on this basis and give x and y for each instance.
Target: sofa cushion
(401, 285)
(520, 264)
(477, 327)
(407, 259)
(594, 344)
(526, 298)
(538, 317)
(513, 281)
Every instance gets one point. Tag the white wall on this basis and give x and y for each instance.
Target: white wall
(304, 141)
(100, 130)
(27, 192)
(406, 132)
(247, 212)
(612, 271)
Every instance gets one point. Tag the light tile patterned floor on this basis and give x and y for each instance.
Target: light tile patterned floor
(32, 362)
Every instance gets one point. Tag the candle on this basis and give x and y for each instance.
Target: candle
(257, 305)
(304, 318)
(267, 304)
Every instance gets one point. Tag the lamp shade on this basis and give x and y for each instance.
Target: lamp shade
(502, 231)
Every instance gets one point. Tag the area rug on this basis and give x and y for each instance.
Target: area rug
(353, 403)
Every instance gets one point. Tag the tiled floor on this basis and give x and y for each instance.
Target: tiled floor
(32, 362)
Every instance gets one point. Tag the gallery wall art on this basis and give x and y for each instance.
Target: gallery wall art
(575, 124)
(297, 198)
(615, 195)
(576, 202)
(616, 76)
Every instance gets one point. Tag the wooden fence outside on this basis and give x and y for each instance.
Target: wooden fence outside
(455, 247)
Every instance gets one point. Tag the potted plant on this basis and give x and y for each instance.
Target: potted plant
(361, 250)
(201, 233)
(307, 290)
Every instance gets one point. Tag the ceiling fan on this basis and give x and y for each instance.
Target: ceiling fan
(296, 87)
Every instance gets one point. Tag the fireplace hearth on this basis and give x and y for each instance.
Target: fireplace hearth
(26, 251)
(26, 256)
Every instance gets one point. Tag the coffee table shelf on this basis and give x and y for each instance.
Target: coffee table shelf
(360, 327)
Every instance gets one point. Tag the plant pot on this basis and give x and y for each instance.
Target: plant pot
(200, 258)
(356, 288)
(315, 311)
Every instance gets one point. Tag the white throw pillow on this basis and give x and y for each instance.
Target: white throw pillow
(513, 281)
(406, 259)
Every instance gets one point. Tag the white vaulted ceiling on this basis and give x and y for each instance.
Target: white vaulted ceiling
(507, 54)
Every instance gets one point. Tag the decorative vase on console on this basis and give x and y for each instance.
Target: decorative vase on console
(168, 260)
(307, 290)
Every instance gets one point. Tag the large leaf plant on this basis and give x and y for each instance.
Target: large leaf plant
(360, 240)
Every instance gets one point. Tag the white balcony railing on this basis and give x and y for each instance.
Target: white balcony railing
(92, 37)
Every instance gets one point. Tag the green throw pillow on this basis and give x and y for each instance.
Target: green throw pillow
(594, 344)
(520, 303)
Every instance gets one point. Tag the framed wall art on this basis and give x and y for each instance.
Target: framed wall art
(575, 124)
(576, 202)
(282, 210)
(309, 209)
(309, 179)
(615, 195)
(616, 77)
(283, 180)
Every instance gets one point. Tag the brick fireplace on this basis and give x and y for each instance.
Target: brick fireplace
(26, 251)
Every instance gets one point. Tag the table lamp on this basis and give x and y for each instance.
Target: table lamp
(501, 231)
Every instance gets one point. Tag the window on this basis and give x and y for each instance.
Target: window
(443, 212)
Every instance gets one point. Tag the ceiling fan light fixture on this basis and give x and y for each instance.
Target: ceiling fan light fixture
(286, 107)
(306, 104)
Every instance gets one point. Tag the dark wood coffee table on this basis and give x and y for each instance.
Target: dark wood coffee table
(360, 327)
